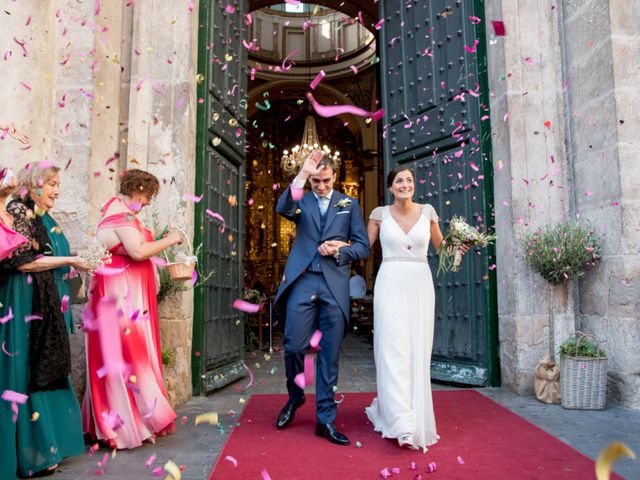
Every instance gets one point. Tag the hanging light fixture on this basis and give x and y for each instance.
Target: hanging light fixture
(293, 158)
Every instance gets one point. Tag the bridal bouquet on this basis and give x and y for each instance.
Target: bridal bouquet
(460, 233)
(96, 255)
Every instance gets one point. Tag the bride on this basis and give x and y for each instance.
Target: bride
(404, 310)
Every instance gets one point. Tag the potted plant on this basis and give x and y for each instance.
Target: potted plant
(562, 252)
(583, 373)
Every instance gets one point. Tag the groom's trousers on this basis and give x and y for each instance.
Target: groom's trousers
(311, 307)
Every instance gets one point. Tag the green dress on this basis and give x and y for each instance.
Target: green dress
(39, 440)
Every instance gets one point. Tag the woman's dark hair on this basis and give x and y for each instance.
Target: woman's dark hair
(394, 173)
(139, 181)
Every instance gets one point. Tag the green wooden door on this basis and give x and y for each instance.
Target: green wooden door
(218, 330)
(437, 126)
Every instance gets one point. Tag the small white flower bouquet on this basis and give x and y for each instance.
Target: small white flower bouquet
(460, 233)
(96, 255)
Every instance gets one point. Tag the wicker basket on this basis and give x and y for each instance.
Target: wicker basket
(181, 271)
(583, 380)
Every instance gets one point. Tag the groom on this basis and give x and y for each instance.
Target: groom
(330, 233)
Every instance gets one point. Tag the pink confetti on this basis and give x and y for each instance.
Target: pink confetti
(299, 380)
(499, 28)
(6, 352)
(25, 85)
(219, 217)
(97, 10)
(475, 20)
(15, 397)
(263, 472)
(190, 197)
(292, 2)
(112, 420)
(7, 317)
(229, 458)
(190, 7)
(140, 83)
(28, 21)
(309, 368)
(460, 460)
(395, 470)
(354, 69)
(315, 339)
(194, 277)
(158, 472)
(64, 304)
(30, 318)
(245, 306)
(316, 81)
(287, 66)
(333, 110)
(378, 25)
(472, 49)
(474, 166)
(150, 461)
(431, 467)
(230, 9)
(384, 473)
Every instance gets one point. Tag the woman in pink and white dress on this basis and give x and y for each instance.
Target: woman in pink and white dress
(125, 401)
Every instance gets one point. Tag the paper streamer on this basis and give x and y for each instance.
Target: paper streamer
(333, 110)
(229, 458)
(15, 397)
(315, 339)
(309, 368)
(7, 317)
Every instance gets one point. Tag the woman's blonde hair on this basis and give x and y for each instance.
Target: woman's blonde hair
(34, 175)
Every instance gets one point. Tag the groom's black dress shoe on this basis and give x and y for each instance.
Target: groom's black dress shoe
(287, 413)
(328, 431)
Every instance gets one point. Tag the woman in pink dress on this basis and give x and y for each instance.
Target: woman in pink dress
(125, 401)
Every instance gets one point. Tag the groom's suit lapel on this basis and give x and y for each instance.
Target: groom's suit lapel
(311, 204)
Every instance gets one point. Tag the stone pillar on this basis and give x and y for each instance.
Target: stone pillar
(600, 40)
(161, 139)
(532, 179)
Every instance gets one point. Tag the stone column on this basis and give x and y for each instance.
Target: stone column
(161, 139)
(532, 178)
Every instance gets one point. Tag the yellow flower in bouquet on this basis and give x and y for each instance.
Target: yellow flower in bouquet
(460, 233)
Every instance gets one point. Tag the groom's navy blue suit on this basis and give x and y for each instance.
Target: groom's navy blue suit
(316, 289)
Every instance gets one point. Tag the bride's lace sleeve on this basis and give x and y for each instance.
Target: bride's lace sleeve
(430, 212)
(21, 224)
(377, 214)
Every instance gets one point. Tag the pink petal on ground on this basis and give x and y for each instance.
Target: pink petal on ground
(150, 461)
(333, 110)
(315, 339)
(7, 317)
(11, 396)
(229, 458)
(245, 306)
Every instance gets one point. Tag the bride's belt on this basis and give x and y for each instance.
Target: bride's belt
(405, 259)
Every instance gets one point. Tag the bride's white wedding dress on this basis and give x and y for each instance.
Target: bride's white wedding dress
(404, 310)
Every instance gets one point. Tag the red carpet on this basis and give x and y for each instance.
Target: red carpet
(492, 443)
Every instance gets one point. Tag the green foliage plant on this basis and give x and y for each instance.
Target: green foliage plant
(562, 252)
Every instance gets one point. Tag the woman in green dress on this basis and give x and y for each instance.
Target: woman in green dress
(39, 416)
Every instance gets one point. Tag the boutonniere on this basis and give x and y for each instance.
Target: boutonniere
(345, 202)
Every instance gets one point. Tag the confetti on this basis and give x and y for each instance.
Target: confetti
(219, 217)
(173, 470)
(333, 110)
(460, 460)
(245, 306)
(229, 458)
(499, 28)
(315, 339)
(190, 197)
(316, 81)
(64, 304)
(263, 472)
(6, 352)
(14, 397)
(30, 318)
(7, 317)
(211, 418)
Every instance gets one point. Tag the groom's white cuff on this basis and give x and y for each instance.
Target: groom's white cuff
(298, 183)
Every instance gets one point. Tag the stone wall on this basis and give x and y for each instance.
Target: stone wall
(99, 90)
(531, 181)
(599, 43)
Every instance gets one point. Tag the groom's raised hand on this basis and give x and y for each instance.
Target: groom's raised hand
(310, 165)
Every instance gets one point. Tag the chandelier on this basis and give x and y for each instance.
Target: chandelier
(293, 160)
